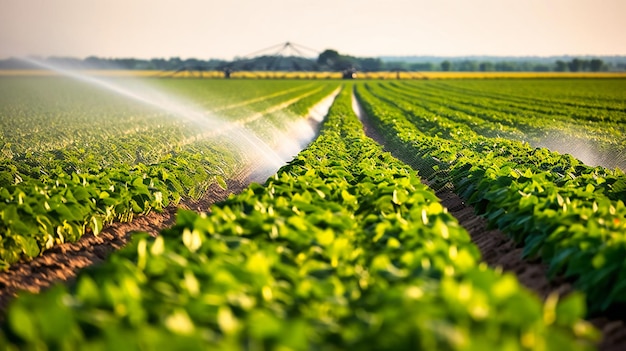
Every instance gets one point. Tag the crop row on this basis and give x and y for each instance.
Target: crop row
(583, 112)
(571, 215)
(344, 248)
(599, 124)
(82, 119)
(51, 197)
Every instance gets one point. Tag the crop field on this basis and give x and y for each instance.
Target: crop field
(75, 157)
(570, 214)
(343, 241)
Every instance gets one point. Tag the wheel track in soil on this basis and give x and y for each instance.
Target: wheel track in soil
(498, 250)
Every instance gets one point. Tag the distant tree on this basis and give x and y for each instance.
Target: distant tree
(345, 62)
(576, 65)
(614, 66)
(596, 65)
(396, 66)
(175, 61)
(67, 62)
(158, 63)
(446, 66)
(126, 63)
(486, 66)
(525, 66)
(586, 65)
(560, 66)
(95, 62)
(331, 59)
(424, 67)
(13, 63)
(328, 58)
(371, 64)
(505, 66)
(466, 66)
(541, 68)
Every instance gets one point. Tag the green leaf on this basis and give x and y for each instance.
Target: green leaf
(9, 213)
(263, 325)
(571, 309)
(87, 290)
(325, 237)
(22, 323)
(138, 182)
(137, 208)
(30, 247)
(185, 218)
(179, 323)
(96, 224)
(81, 194)
(192, 239)
(221, 182)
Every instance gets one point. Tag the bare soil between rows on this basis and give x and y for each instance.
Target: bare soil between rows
(498, 250)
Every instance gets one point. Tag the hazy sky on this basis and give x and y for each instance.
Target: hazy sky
(228, 28)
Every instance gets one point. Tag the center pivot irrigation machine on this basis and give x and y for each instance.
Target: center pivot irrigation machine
(271, 62)
(283, 57)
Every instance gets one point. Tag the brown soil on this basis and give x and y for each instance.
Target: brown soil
(500, 251)
(63, 262)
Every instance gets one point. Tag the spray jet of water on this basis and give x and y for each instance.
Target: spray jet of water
(141, 93)
(178, 108)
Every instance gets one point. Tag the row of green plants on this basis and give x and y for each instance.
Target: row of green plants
(343, 248)
(563, 100)
(605, 94)
(48, 118)
(56, 196)
(583, 117)
(571, 215)
(598, 142)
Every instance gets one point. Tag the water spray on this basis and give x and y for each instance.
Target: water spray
(208, 124)
(174, 106)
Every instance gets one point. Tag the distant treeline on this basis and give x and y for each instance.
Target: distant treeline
(338, 62)
(331, 60)
(575, 65)
(92, 62)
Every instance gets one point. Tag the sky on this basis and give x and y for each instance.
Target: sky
(366, 28)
